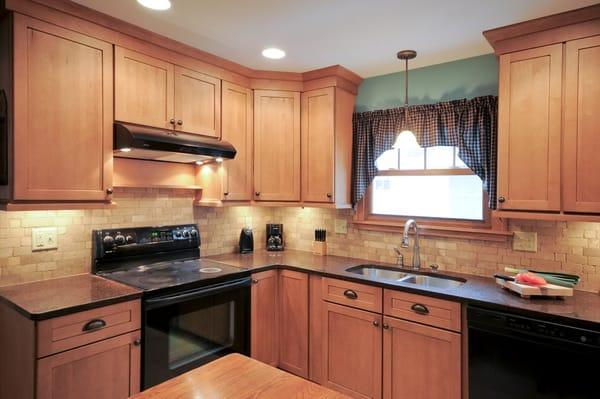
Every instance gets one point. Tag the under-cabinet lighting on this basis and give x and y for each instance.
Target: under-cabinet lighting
(126, 149)
(219, 159)
(199, 162)
(160, 5)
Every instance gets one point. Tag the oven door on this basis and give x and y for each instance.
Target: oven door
(188, 329)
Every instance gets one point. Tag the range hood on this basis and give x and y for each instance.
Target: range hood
(139, 142)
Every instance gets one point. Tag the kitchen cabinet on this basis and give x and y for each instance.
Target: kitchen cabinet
(237, 128)
(351, 350)
(93, 353)
(581, 141)
(327, 146)
(105, 369)
(153, 92)
(293, 319)
(60, 146)
(419, 361)
(264, 319)
(529, 129)
(276, 145)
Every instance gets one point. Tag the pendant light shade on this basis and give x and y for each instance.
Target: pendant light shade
(406, 138)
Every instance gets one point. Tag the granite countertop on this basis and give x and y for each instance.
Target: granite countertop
(583, 308)
(55, 297)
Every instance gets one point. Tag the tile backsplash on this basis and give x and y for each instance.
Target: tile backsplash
(568, 247)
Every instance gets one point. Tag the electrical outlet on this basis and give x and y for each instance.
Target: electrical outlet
(43, 238)
(524, 241)
(341, 226)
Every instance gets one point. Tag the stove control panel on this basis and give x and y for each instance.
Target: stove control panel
(146, 239)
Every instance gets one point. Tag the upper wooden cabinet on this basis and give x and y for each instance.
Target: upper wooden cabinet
(152, 92)
(581, 141)
(327, 146)
(62, 114)
(529, 129)
(276, 145)
(237, 128)
(547, 115)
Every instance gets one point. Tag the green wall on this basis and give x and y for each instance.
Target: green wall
(466, 78)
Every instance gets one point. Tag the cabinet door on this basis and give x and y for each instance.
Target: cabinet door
(197, 102)
(276, 145)
(108, 369)
(581, 141)
(352, 342)
(63, 111)
(237, 129)
(420, 362)
(143, 89)
(265, 323)
(318, 141)
(293, 318)
(529, 129)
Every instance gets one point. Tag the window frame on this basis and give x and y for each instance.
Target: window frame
(489, 228)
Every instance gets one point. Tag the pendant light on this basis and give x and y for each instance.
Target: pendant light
(406, 138)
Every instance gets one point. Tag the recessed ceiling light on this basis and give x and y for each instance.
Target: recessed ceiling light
(273, 53)
(160, 5)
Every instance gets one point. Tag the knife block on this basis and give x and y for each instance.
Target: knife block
(319, 248)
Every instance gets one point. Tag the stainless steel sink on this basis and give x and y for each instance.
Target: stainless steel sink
(377, 272)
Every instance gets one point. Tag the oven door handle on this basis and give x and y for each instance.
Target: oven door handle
(167, 300)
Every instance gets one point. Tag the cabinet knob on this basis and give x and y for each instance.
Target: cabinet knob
(180, 122)
(172, 121)
(257, 193)
(109, 191)
(501, 199)
(137, 342)
(226, 194)
(254, 281)
(385, 326)
(376, 323)
(329, 195)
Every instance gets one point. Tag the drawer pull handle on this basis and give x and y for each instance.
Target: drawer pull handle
(420, 309)
(94, 325)
(350, 294)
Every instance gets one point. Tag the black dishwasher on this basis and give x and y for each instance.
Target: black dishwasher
(516, 357)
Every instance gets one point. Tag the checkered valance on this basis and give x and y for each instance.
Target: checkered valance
(470, 125)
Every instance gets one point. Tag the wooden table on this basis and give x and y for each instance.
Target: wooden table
(237, 376)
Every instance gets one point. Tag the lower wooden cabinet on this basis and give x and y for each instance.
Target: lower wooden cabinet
(351, 351)
(293, 319)
(420, 362)
(264, 334)
(108, 369)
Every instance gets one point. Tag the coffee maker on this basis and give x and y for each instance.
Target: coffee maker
(274, 237)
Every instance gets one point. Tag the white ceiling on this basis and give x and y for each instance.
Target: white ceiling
(362, 35)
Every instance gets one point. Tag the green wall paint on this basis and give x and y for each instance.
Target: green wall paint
(466, 78)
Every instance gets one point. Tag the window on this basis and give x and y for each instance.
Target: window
(426, 183)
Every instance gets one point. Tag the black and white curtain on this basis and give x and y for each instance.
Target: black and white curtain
(470, 125)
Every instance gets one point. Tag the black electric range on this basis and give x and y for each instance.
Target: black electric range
(194, 310)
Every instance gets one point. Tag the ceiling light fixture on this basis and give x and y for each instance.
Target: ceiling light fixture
(406, 138)
(159, 5)
(273, 53)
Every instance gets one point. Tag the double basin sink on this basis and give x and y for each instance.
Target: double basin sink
(378, 272)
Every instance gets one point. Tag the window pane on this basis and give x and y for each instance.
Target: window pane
(448, 197)
(387, 160)
(440, 157)
(459, 163)
(412, 158)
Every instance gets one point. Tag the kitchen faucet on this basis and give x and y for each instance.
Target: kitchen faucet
(416, 264)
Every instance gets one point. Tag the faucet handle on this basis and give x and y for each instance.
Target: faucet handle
(434, 267)
(404, 243)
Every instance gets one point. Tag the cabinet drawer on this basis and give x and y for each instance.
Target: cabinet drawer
(352, 294)
(422, 309)
(70, 331)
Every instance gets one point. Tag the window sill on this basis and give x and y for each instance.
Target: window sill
(468, 233)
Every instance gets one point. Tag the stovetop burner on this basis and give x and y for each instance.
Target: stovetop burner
(159, 275)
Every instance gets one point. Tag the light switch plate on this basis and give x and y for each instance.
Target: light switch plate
(43, 238)
(341, 226)
(524, 241)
